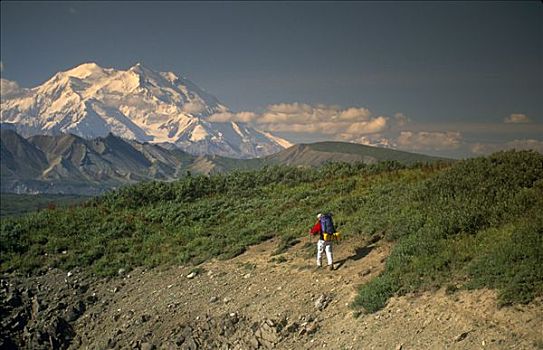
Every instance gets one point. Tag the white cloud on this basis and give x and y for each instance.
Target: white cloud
(290, 108)
(245, 117)
(423, 140)
(487, 148)
(303, 118)
(517, 119)
(353, 114)
(376, 140)
(194, 107)
(401, 119)
(327, 128)
(222, 117)
(368, 127)
(10, 89)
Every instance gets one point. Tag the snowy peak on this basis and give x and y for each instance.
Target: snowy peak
(86, 70)
(147, 76)
(140, 69)
(138, 103)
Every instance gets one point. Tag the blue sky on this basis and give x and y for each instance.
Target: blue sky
(449, 78)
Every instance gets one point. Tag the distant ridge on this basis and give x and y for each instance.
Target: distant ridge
(70, 164)
(315, 154)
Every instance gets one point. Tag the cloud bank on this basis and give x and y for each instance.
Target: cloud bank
(517, 119)
(360, 125)
(423, 140)
(304, 118)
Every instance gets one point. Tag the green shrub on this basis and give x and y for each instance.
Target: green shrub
(373, 296)
(479, 220)
(510, 261)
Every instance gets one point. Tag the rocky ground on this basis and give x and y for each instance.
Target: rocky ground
(256, 300)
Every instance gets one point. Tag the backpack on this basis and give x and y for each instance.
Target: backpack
(327, 225)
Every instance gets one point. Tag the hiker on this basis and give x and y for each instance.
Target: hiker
(324, 227)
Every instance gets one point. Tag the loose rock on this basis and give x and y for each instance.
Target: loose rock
(322, 302)
(461, 336)
(147, 346)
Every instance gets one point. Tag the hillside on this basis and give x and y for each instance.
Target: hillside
(316, 154)
(423, 245)
(70, 164)
(73, 165)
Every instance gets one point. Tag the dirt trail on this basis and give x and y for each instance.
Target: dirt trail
(283, 289)
(258, 300)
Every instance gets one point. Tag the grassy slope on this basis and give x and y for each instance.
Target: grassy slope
(477, 224)
(379, 153)
(472, 224)
(316, 154)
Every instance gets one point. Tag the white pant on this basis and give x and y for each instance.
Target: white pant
(324, 246)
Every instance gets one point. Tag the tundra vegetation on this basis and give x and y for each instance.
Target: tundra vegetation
(476, 223)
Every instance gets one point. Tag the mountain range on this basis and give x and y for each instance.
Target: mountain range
(136, 104)
(90, 129)
(70, 164)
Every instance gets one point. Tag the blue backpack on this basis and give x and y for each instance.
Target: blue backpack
(327, 225)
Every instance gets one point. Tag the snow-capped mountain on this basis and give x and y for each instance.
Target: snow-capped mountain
(136, 104)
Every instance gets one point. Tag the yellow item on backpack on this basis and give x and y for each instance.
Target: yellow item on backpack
(331, 236)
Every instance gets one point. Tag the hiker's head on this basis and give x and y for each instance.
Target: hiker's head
(319, 215)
